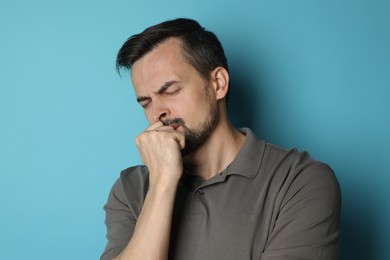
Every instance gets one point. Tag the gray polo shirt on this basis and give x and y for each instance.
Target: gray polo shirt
(269, 203)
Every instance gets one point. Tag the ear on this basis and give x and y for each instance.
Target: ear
(220, 80)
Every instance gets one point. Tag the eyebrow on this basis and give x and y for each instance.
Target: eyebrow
(161, 90)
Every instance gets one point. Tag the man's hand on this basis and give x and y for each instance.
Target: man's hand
(159, 147)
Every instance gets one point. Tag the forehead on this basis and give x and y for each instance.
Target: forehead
(164, 63)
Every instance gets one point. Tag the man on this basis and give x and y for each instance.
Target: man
(208, 190)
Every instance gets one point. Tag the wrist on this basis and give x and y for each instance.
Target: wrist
(164, 185)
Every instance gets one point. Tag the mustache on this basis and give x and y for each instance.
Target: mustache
(174, 121)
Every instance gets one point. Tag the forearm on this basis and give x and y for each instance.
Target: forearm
(152, 232)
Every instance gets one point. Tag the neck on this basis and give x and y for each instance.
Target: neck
(216, 153)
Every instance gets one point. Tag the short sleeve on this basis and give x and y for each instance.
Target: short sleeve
(307, 225)
(122, 209)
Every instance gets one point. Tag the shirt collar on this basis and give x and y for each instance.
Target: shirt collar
(248, 159)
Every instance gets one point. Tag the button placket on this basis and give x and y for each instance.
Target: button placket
(200, 192)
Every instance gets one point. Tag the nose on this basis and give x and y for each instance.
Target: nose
(159, 111)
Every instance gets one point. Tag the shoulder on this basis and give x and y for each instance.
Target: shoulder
(279, 165)
(292, 161)
(298, 173)
(134, 176)
(132, 185)
(288, 170)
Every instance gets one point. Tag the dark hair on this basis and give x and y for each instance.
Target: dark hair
(201, 48)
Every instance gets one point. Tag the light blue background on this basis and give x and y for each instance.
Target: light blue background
(310, 74)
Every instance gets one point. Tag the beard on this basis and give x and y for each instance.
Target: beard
(198, 135)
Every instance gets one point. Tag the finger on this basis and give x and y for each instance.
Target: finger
(154, 126)
(162, 128)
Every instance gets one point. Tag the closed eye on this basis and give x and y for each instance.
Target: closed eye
(144, 101)
(172, 92)
(144, 104)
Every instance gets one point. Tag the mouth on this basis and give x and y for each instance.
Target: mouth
(175, 126)
(174, 123)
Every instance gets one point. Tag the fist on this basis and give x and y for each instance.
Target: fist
(159, 147)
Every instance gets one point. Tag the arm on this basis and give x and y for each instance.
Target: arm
(159, 148)
(152, 232)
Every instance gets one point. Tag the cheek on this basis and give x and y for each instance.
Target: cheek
(196, 111)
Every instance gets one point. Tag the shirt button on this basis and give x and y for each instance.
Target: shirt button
(200, 192)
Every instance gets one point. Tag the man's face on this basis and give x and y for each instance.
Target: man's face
(171, 91)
